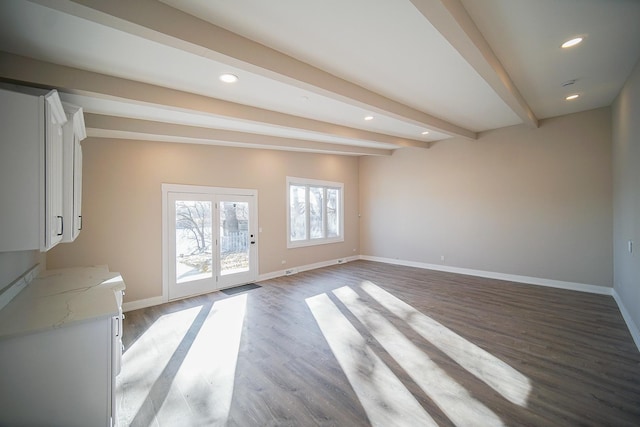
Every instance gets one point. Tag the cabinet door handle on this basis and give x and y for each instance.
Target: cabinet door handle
(61, 225)
(80, 217)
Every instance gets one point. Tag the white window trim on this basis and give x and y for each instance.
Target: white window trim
(314, 183)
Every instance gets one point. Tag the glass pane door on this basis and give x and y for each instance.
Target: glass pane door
(234, 237)
(192, 268)
(237, 240)
(194, 260)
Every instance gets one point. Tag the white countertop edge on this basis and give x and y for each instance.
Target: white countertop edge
(57, 298)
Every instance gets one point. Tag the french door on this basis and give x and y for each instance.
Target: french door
(210, 239)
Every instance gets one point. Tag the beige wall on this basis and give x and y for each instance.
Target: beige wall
(626, 195)
(523, 201)
(532, 202)
(122, 204)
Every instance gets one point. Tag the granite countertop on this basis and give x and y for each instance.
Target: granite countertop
(60, 297)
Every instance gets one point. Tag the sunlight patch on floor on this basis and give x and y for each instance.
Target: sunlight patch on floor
(452, 398)
(382, 395)
(158, 376)
(209, 389)
(511, 384)
(143, 363)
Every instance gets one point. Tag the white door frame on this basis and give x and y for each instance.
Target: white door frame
(214, 192)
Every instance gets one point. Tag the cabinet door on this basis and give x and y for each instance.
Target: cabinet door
(30, 169)
(58, 377)
(53, 197)
(21, 143)
(74, 133)
(77, 188)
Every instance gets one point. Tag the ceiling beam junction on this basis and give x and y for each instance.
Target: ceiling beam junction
(452, 20)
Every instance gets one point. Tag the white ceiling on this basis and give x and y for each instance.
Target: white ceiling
(385, 46)
(525, 35)
(310, 71)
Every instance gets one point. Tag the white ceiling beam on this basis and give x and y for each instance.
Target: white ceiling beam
(81, 82)
(161, 23)
(102, 126)
(451, 20)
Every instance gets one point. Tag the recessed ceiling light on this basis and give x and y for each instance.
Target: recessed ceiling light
(426, 132)
(571, 97)
(228, 78)
(572, 42)
(368, 118)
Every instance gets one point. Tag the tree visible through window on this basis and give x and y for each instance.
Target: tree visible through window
(193, 239)
(315, 212)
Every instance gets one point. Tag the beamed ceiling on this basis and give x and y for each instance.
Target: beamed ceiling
(309, 72)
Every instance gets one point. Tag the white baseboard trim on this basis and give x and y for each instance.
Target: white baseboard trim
(633, 328)
(149, 302)
(143, 303)
(307, 267)
(602, 290)
(573, 286)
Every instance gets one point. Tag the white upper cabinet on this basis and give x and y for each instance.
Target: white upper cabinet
(54, 171)
(74, 133)
(31, 169)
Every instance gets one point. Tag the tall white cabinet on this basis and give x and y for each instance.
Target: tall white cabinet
(73, 132)
(40, 169)
(55, 118)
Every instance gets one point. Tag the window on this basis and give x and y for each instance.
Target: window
(315, 212)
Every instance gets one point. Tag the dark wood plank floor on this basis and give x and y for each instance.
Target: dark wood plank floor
(368, 343)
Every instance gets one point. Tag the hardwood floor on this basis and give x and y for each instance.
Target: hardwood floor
(367, 343)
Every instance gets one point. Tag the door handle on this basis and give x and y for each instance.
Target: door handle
(61, 225)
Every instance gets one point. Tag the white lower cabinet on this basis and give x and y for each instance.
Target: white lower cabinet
(60, 377)
(61, 349)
